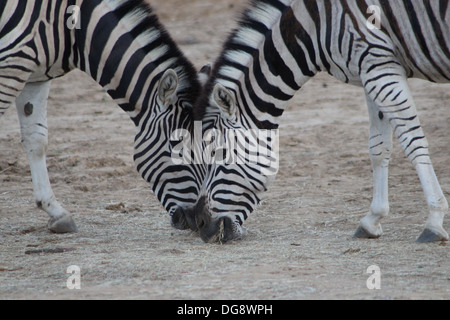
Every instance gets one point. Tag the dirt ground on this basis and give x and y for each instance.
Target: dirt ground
(299, 243)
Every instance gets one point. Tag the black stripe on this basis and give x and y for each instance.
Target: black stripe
(100, 36)
(443, 9)
(342, 32)
(313, 11)
(230, 192)
(173, 170)
(2, 8)
(328, 36)
(70, 55)
(384, 87)
(408, 131)
(378, 77)
(44, 42)
(13, 78)
(114, 59)
(56, 35)
(223, 201)
(16, 67)
(276, 64)
(415, 149)
(350, 50)
(87, 8)
(372, 67)
(292, 31)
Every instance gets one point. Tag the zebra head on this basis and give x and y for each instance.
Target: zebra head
(241, 162)
(176, 185)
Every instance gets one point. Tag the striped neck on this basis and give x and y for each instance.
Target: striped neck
(123, 47)
(263, 64)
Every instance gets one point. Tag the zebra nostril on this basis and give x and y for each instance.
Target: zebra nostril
(200, 223)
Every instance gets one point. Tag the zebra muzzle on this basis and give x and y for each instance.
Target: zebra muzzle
(211, 229)
(183, 219)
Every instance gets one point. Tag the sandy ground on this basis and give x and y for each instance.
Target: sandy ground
(299, 243)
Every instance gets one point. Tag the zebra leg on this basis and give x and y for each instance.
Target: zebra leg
(437, 204)
(32, 110)
(380, 148)
(392, 95)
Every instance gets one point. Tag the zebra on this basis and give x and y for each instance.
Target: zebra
(122, 46)
(277, 47)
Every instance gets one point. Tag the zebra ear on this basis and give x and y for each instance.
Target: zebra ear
(225, 100)
(168, 86)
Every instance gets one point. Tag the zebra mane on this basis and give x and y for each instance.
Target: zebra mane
(255, 17)
(139, 17)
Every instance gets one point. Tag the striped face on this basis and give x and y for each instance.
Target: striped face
(241, 164)
(176, 185)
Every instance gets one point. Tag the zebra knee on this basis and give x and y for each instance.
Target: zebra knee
(380, 159)
(34, 129)
(380, 152)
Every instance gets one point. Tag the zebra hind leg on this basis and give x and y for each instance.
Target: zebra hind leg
(380, 148)
(32, 111)
(392, 95)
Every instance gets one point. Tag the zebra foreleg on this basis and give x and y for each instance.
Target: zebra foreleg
(32, 110)
(380, 148)
(392, 95)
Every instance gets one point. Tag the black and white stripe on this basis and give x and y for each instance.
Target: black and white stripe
(280, 44)
(123, 47)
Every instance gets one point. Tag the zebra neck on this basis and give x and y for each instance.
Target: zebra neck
(124, 48)
(263, 63)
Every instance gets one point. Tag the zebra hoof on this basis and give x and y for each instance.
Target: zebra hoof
(362, 233)
(432, 235)
(64, 224)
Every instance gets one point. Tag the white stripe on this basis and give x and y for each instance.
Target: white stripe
(265, 14)
(249, 37)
